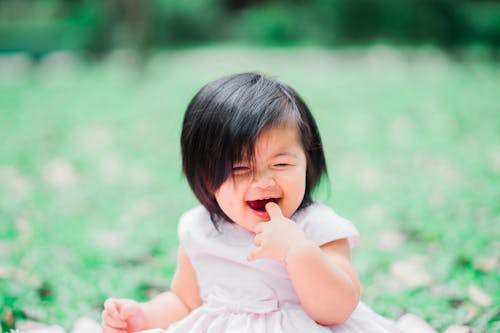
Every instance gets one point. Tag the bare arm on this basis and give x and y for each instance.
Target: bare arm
(323, 277)
(324, 280)
(175, 304)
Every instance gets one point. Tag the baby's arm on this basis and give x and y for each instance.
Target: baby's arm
(324, 280)
(323, 277)
(123, 315)
(174, 305)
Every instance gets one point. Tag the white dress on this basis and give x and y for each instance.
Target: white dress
(258, 297)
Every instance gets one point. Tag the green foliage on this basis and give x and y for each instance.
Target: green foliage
(271, 24)
(187, 21)
(39, 26)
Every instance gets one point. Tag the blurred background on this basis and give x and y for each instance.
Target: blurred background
(97, 27)
(92, 95)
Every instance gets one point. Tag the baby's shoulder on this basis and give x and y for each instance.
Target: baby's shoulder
(322, 224)
(195, 219)
(316, 211)
(195, 213)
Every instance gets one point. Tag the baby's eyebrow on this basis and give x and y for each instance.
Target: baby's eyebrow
(284, 154)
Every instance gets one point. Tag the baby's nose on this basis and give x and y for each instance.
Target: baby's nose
(263, 180)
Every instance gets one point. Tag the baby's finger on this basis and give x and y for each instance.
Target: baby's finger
(108, 329)
(112, 321)
(111, 306)
(128, 310)
(257, 240)
(274, 210)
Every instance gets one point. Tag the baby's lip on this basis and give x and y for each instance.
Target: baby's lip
(260, 205)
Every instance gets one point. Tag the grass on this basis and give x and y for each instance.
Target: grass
(91, 187)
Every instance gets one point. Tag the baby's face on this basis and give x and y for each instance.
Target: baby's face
(279, 175)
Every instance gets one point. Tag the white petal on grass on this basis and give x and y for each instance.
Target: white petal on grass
(375, 213)
(390, 239)
(494, 160)
(401, 132)
(440, 167)
(24, 229)
(369, 179)
(35, 327)
(86, 325)
(15, 186)
(140, 176)
(479, 296)
(94, 138)
(410, 272)
(410, 323)
(60, 173)
(5, 271)
(458, 329)
(472, 311)
(436, 198)
(487, 264)
(109, 240)
(110, 169)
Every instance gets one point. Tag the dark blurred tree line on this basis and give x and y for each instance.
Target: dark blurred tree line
(96, 26)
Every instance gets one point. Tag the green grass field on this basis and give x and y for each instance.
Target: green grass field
(91, 187)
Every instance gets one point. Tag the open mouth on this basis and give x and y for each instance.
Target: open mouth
(260, 205)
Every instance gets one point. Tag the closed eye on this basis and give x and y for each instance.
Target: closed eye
(282, 165)
(240, 169)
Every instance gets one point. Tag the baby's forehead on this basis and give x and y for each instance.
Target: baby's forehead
(275, 141)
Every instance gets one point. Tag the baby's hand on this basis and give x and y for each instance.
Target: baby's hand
(274, 238)
(122, 316)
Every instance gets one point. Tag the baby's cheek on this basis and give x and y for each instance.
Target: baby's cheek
(289, 209)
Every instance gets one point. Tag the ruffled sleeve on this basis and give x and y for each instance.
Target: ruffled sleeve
(183, 226)
(192, 224)
(322, 225)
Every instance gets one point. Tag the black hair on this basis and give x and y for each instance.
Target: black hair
(222, 123)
